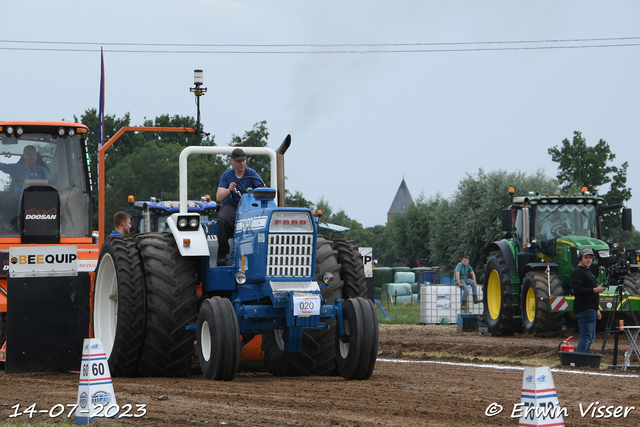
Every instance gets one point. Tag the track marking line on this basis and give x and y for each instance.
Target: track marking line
(503, 367)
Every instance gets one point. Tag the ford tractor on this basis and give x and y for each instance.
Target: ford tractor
(46, 247)
(158, 292)
(527, 275)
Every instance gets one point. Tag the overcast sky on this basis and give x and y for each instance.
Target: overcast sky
(370, 91)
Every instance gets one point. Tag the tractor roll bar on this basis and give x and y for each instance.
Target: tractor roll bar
(101, 168)
(218, 150)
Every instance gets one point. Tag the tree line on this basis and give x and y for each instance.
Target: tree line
(435, 231)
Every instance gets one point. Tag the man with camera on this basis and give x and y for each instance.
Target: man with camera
(587, 299)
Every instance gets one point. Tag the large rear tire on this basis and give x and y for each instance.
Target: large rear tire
(498, 296)
(356, 357)
(218, 339)
(352, 268)
(317, 356)
(172, 302)
(632, 286)
(119, 305)
(537, 317)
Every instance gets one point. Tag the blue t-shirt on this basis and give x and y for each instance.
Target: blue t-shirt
(230, 176)
(115, 233)
(464, 271)
(20, 172)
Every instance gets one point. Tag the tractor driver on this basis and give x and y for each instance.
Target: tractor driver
(30, 166)
(552, 225)
(26, 168)
(228, 185)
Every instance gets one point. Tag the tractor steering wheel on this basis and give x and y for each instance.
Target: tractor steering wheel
(19, 182)
(237, 193)
(563, 229)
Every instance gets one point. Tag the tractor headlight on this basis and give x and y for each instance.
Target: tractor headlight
(327, 278)
(188, 222)
(603, 254)
(241, 278)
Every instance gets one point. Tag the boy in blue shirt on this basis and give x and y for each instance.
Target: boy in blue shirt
(465, 276)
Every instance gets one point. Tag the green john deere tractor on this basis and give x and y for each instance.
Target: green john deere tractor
(527, 275)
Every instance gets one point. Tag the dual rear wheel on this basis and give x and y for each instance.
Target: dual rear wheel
(536, 314)
(145, 295)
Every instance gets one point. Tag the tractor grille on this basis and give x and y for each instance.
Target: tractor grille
(290, 255)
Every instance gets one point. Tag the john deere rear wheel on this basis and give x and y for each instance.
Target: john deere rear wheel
(537, 316)
(498, 296)
(317, 356)
(119, 304)
(172, 301)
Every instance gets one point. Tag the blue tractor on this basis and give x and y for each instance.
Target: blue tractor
(152, 215)
(159, 291)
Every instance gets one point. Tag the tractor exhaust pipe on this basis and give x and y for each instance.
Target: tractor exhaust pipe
(280, 169)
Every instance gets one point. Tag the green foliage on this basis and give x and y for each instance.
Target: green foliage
(176, 138)
(440, 231)
(161, 180)
(296, 200)
(145, 164)
(581, 165)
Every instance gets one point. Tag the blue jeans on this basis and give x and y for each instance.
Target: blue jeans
(587, 325)
(464, 293)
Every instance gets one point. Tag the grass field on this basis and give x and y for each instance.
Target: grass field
(401, 314)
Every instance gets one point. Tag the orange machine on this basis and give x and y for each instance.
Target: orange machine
(46, 246)
(47, 249)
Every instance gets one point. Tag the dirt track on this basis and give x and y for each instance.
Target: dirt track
(414, 389)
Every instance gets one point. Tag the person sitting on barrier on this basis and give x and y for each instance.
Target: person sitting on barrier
(587, 299)
(463, 271)
(226, 187)
(122, 224)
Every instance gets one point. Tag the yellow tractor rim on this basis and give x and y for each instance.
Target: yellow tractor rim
(530, 302)
(494, 294)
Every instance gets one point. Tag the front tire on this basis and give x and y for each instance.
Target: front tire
(537, 316)
(218, 339)
(172, 301)
(356, 357)
(498, 296)
(119, 305)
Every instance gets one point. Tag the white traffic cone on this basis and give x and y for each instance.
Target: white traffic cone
(540, 405)
(96, 398)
